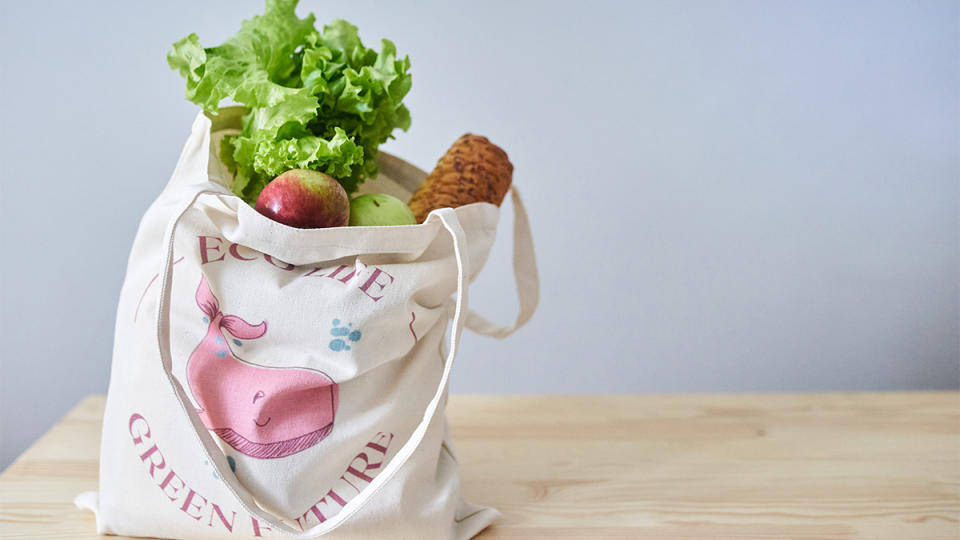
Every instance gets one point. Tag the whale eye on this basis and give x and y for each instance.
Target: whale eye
(258, 395)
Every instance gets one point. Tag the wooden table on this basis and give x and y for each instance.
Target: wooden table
(777, 466)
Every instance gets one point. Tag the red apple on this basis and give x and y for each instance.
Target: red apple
(305, 200)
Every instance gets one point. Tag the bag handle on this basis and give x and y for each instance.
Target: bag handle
(448, 218)
(525, 276)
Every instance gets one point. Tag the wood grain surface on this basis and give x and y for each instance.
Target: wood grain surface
(804, 466)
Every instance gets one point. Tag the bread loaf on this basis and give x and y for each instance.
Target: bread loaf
(472, 170)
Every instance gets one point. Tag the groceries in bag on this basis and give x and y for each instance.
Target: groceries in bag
(322, 102)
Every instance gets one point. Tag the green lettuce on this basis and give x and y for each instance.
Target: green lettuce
(315, 100)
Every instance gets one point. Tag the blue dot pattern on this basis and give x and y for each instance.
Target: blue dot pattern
(343, 335)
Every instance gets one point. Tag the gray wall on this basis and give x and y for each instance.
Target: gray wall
(726, 196)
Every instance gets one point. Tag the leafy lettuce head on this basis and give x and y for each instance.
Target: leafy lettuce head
(315, 100)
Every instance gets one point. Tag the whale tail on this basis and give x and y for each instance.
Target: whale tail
(241, 328)
(235, 325)
(206, 300)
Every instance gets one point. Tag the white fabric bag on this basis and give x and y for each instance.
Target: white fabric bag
(277, 382)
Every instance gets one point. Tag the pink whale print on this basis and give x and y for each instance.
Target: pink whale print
(260, 411)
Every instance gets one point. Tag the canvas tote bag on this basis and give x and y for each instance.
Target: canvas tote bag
(278, 382)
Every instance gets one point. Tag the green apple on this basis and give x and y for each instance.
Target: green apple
(374, 209)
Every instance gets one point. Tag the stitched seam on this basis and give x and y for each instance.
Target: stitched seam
(468, 516)
(445, 448)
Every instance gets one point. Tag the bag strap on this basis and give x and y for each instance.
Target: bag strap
(448, 218)
(524, 274)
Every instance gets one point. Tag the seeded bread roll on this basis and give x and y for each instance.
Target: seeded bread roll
(472, 170)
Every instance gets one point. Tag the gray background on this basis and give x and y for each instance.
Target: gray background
(726, 196)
